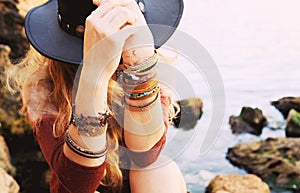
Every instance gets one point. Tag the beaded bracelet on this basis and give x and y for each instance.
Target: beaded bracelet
(137, 96)
(82, 151)
(88, 125)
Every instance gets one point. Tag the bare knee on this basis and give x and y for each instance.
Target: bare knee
(161, 179)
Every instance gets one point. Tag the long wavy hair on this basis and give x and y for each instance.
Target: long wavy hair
(46, 86)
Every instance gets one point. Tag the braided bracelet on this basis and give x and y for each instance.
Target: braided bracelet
(82, 151)
(127, 78)
(140, 88)
(139, 73)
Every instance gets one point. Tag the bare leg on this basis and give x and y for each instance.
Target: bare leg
(166, 178)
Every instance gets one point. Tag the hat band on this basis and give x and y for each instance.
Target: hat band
(68, 27)
(78, 30)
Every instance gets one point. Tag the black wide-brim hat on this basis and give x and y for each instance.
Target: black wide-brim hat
(55, 29)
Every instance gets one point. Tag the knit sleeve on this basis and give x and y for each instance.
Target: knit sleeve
(67, 176)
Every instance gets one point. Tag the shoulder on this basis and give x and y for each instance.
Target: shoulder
(38, 101)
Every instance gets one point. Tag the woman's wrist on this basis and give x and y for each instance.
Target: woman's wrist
(94, 76)
(136, 56)
(93, 143)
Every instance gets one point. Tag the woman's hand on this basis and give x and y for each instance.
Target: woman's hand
(102, 45)
(139, 46)
(102, 53)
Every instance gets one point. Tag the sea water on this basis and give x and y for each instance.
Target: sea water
(256, 48)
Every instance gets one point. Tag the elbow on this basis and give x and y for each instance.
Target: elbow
(142, 143)
(144, 155)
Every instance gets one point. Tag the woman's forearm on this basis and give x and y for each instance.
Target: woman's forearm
(91, 98)
(69, 153)
(143, 114)
(142, 130)
(91, 95)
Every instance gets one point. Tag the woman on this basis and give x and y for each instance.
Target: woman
(117, 118)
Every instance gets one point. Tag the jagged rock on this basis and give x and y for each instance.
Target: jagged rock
(5, 157)
(249, 121)
(292, 128)
(239, 126)
(285, 104)
(235, 183)
(275, 160)
(11, 25)
(7, 183)
(191, 110)
(10, 104)
(28, 160)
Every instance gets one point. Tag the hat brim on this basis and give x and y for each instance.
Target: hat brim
(47, 37)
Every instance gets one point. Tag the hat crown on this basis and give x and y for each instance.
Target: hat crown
(73, 13)
(54, 28)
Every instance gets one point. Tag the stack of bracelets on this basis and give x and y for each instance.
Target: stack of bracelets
(140, 82)
(88, 126)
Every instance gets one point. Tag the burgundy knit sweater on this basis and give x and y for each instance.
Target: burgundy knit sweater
(70, 177)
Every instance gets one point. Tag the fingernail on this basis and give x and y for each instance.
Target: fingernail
(96, 2)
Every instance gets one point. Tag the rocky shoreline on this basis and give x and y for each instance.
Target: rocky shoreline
(274, 162)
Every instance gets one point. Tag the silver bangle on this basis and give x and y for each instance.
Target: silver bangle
(82, 151)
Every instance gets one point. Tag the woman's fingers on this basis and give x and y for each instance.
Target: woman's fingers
(113, 21)
(120, 16)
(97, 2)
(103, 30)
(106, 5)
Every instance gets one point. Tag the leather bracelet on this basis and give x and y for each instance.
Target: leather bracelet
(138, 88)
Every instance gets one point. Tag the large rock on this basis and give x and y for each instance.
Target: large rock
(249, 121)
(276, 160)
(28, 160)
(285, 104)
(235, 183)
(292, 128)
(7, 183)
(10, 104)
(191, 110)
(11, 25)
(5, 157)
